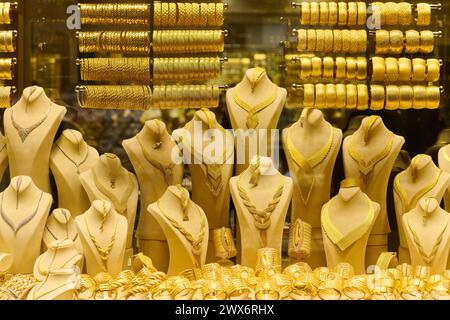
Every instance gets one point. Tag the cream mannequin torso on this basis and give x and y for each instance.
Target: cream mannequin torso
(261, 196)
(183, 255)
(254, 92)
(59, 285)
(109, 180)
(444, 165)
(70, 156)
(3, 156)
(61, 226)
(30, 128)
(310, 138)
(112, 240)
(421, 179)
(349, 211)
(24, 208)
(427, 232)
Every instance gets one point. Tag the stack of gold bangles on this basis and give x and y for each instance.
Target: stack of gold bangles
(332, 13)
(136, 42)
(6, 69)
(336, 96)
(5, 13)
(396, 42)
(115, 13)
(327, 68)
(7, 41)
(187, 14)
(392, 13)
(188, 41)
(186, 96)
(393, 97)
(115, 69)
(115, 97)
(328, 40)
(392, 70)
(186, 69)
(5, 97)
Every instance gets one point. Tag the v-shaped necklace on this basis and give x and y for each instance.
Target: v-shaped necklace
(75, 163)
(25, 132)
(307, 165)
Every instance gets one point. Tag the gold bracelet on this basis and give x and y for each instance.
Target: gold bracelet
(330, 93)
(320, 96)
(305, 13)
(378, 10)
(346, 35)
(331, 289)
(404, 13)
(328, 41)
(316, 71)
(382, 42)
(433, 97)
(315, 14)
(396, 42)
(351, 68)
(363, 97)
(361, 68)
(377, 97)
(323, 21)
(392, 97)
(337, 41)
(419, 67)
(341, 68)
(352, 12)
(328, 68)
(332, 13)
(352, 97)
(423, 14)
(302, 40)
(420, 97)
(378, 69)
(305, 68)
(406, 97)
(308, 95)
(211, 14)
(311, 42)
(412, 41)
(356, 288)
(362, 13)
(433, 70)
(320, 40)
(341, 96)
(220, 14)
(342, 14)
(426, 41)
(392, 70)
(404, 69)
(172, 14)
(164, 14)
(391, 12)
(196, 15)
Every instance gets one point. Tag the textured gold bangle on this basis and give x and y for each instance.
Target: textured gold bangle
(305, 13)
(362, 13)
(323, 21)
(341, 68)
(419, 67)
(361, 68)
(196, 15)
(420, 97)
(392, 70)
(404, 69)
(391, 12)
(332, 13)
(320, 40)
(352, 99)
(352, 13)
(377, 97)
(404, 13)
(346, 35)
(396, 42)
(311, 42)
(315, 14)
(363, 97)
(341, 96)
(412, 41)
(328, 68)
(362, 40)
(379, 12)
(342, 14)
(302, 40)
(426, 41)
(382, 42)
(433, 70)
(433, 97)
(219, 14)
(172, 14)
(203, 14)
(157, 14)
(330, 93)
(211, 14)
(320, 96)
(316, 71)
(308, 95)
(328, 41)
(164, 14)
(423, 14)
(351, 68)
(406, 97)
(337, 41)
(305, 68)
(392, 97)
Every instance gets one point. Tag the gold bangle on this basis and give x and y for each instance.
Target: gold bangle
(377, 97)
(404, 13)
(356, 288)
(328, 68)
(342, 13)
(172, 14)
(351, 68)
(320, 96)
(302, 40)
(392, 97)
(426, 41)
(341, 96)
(422, 272)
(332, 13)
(237, 290)
(423, 14)
(433, 97)
(352, 97)
(315, 14)
(346, 36)
(433, 70)
(378, 10)
(378, 69)
(337, 41)
(328, 41)
(323, 21)
(211, 14)
(330, 93)
(419, 66)
(341, 68)
(267, 290)
(308, 95)
(316, 71)
(352, 13)
(396, 42)
(362, 13)
(406, 97)
(164, 14)
(219, 14)
(331, 289)
(320, 40)
(382, 42)
(311, 43)
(361, 68)
(392, 69)
(406, 269)
(305, 68)
(305, 13)
(419, 97)
(363, 97)
(196, 15)
(412, 41)
(391, 13)
(404, 69)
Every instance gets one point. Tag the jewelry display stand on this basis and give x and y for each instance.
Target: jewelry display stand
(444, 165)
(3, 156)
(60, 284)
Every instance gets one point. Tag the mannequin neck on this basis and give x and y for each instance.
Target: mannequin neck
(179, 197)
(422, 166)
(311, 120)
(34, 97)
(371, 128)
(72, 140)
(256, 78)
(428, 208)
(259, 170)
(61, 216)
(109, 167)
(21, 187)
(347, 195)
(206, 118)
(155, 133)
(101, 211)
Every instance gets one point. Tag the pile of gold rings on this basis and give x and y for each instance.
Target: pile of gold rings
(115, 69)
(332, 13)
(5, 13)
(115, 97)
(186, 96)
(186, 14)
(187, 41)
(7, 41)
(328, 68)
(336, 96)
(115, 13)
(186, 69)
(5, 96)
(135, 42)
(393, 13)
(6, 69)
(393, 97)
(328, 40)
(396, 42)
(392, 70)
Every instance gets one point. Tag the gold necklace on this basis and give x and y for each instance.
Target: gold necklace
(25, 132)
(76, 164)
(196, 244)
(50, 268)
(308, 164)
(67, 234)
(261, 217)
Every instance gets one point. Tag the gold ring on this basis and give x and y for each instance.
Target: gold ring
(423, 14)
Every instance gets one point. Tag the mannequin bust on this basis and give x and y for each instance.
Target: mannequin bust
(70, 156)
(347, 221)
(30, 128)
(60, 284)
(185, 226)
(311, 146)
(3, 156)
(151, 153)
(61, 226)
(103, 233)
(24, 209)
(444, 165)
(255, 103)
(421, 179)
(6, 261)
(262, 197)
(427, 232)
(109, 180)
(210, 156)
(369, 155)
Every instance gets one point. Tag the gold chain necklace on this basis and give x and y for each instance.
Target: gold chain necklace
(25, 132)
(261, 217)
(196, 244)
(56, 238)
(50, 268)
(76, 164)
(308, 164)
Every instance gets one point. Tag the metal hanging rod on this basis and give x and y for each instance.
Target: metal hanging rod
(78, 61)
(223, 87)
